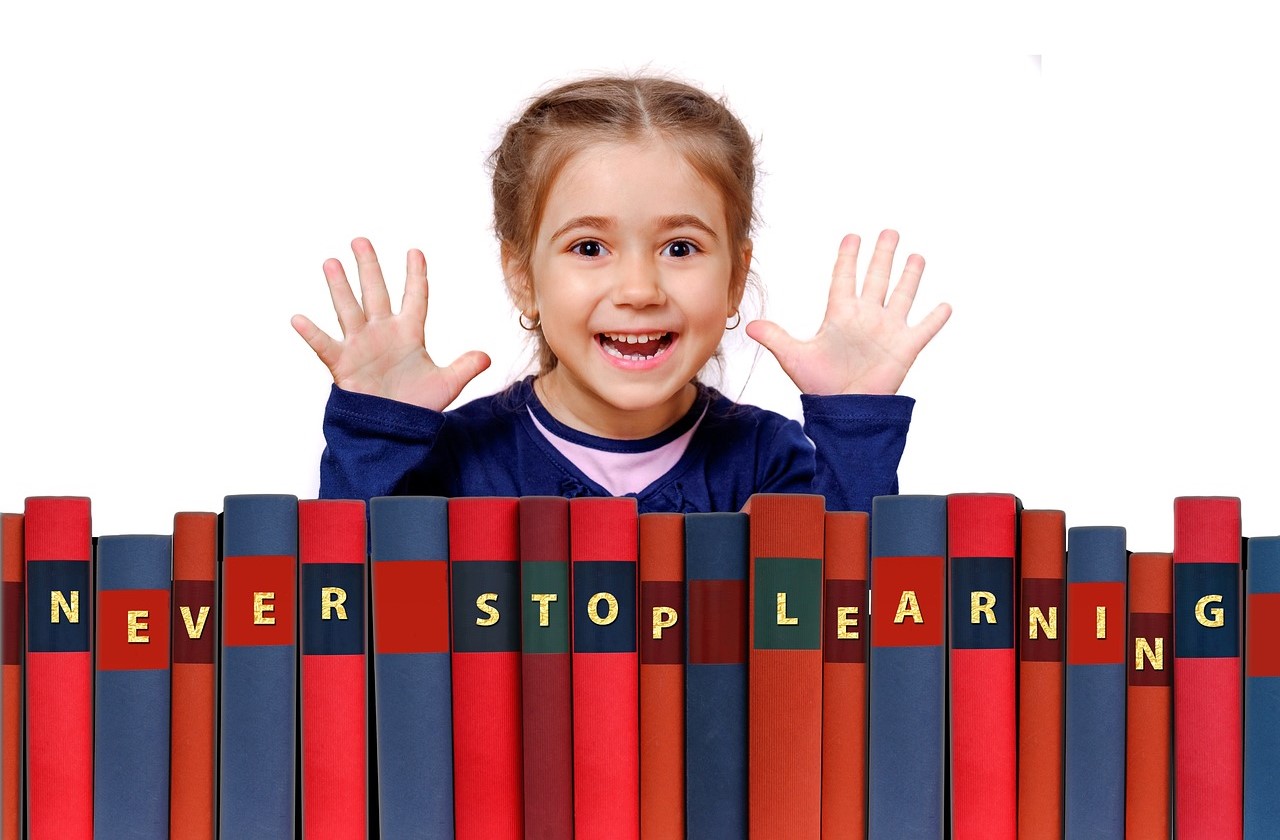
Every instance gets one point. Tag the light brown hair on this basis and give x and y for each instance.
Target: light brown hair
(562, 122)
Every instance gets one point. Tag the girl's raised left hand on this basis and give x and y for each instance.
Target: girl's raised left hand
(864, 345)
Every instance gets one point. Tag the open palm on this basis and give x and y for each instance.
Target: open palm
(384, 353)
(864, 345)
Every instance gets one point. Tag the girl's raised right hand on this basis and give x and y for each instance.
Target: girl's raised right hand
(381, 353)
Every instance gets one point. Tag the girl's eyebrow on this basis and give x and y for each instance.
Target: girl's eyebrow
(687, 220)
(597, 222)
(680, 220)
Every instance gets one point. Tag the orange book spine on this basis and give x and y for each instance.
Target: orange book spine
(844, 675)
(14, 594)
(1148, 736)
(194, 685)
(661, 573)
(1041, 639)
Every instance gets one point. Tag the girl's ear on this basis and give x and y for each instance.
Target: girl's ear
(519, 286)
(738, 283)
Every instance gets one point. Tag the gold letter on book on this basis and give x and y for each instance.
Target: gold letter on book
(1214, 619)
(783, 618)
(593, 608)
(662, 617)
(332, 598)
(261, 608)
(846, 620)
(1038, 621)
(982, 603)
(483, 602)
(1155, 657)
(544, 600)
(136, 625)
(1101, 629)
(194, 630)
(58, 603)
(908, 605)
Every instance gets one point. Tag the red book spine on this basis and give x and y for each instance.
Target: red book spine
(844, 675)
(981, 545)
(484, 560)
(1041, 650)
(58, 545)
(547, 685)
(193, 720)
(603, 538)
(1207, 693)
(784, 694)
(1149, 696)
(12, 573)
(661, 675)
(332, 566)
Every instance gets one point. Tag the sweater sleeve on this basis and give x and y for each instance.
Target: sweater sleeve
(858, 440)
(375, 446)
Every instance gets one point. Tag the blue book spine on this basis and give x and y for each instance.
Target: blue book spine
(131, 707)
(1262, 689)
(716, 561)
(908, 678)
(257, 777)
(409, 563)
(1094, 783)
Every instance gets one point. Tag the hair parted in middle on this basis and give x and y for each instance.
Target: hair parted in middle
(558, 124)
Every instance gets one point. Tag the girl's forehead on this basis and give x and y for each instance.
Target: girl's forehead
(631, 181)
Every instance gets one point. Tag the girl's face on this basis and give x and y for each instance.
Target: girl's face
(633, 280)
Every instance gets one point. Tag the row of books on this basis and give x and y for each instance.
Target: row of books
(543, 667)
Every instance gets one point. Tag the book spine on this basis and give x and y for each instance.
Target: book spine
(488, 765)
(334, 679)
(662, 646)
(1095, 689)
(131, 723)
(907, 725)
(1042, 657)
(546, 682)
(257, 783)
(1149, 696)
(717, 549)
(844, 675)
(13, 611)
(59, 673)
(194, 679)
(1208, 724)
(784, 722)
(1262, 689)
(409, 542)
(603, 537)
(981, 545)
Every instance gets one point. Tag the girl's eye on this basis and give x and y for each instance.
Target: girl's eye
(680, 248)
(588, 248)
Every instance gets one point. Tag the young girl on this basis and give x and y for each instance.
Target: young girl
(624, 209)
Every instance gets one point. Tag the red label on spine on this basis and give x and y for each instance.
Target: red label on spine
(133, 630)
(717, 622)
(1095, 624)
(195, 626)
(259, 600)
(909, 608)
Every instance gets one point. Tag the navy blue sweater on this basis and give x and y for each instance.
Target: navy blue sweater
(490, 447)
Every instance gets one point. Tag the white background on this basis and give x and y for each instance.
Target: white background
(1101, 219)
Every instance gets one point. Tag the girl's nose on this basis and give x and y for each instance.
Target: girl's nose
(639, 283)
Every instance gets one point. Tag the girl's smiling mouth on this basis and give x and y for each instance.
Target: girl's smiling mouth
(635, 347)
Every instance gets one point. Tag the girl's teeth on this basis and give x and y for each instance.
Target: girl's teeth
(634, 357)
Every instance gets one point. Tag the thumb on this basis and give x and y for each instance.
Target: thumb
(774, 338)
(467, 367)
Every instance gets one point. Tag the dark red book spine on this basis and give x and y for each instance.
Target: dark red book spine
(193, 680)
(13, 575)
(1042, 658)
(844, 675)
(1149, 712)
(982, 543)
(603, 544)
(58, 545)
(333, 567)
(784, 695)
(661, 675)
(488, 763)
(546, 681)
(1207, 691)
